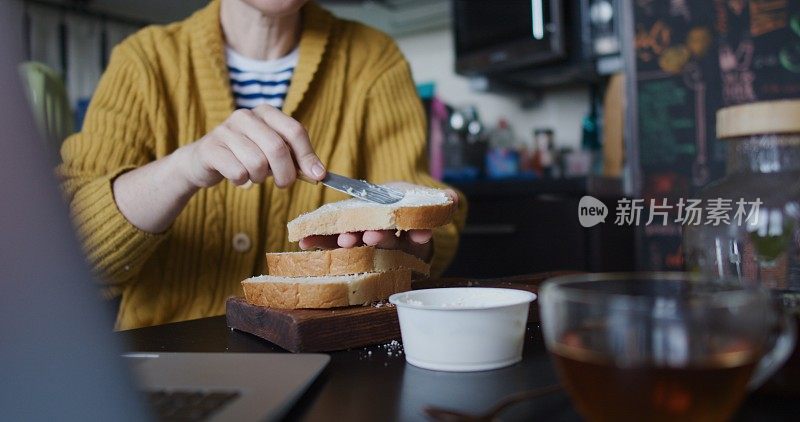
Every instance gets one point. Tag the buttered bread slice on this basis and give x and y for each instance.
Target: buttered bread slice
(420, 208)
(343, 261)
(324, 291)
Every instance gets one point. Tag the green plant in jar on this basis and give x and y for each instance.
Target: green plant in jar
(771, 247)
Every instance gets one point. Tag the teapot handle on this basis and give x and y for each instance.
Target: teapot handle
(777, 356)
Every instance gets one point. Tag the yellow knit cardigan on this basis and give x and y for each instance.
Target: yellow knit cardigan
(167, 86)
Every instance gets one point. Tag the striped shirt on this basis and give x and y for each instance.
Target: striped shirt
(256, 82)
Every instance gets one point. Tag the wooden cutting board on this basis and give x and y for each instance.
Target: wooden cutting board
(326, 330)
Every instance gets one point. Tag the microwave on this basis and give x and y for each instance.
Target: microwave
(532, 42)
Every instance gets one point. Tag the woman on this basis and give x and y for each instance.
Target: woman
(165, 178)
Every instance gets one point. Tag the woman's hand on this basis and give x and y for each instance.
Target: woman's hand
(415, 242)
(251, 145)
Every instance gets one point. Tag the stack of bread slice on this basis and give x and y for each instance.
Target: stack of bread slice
(348, 276)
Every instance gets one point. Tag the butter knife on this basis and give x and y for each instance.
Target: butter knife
(360, 189)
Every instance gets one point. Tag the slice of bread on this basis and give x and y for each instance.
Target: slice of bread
(325, 291)
(343, 261)
(421, 208)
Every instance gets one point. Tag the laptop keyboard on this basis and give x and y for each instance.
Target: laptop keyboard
(188, 405)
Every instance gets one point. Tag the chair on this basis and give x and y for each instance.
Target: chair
(48, 99)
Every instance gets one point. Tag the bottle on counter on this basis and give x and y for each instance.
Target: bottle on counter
(437, 136)
(502, 160)
(476, 141)
(542, 159)
(453, 149)
(526, 151)
(590, 142)
(465, 145)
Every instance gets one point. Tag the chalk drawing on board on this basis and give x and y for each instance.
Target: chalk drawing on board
(651, 75)
(664, 130)
(767, 16)
(736, 6)
(679, 8)
(645, 7)
(693, 78)
(721, 17)
(736, 72)
(789, 55)
(674, 59)
(650, 43)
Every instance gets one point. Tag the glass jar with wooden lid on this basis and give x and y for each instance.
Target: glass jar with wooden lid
(759, 241)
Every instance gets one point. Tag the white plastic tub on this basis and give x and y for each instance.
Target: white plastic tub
(463, 329)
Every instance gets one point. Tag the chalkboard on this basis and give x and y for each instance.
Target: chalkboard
(694, 57)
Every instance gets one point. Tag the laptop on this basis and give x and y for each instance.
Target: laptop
(59, 359)
(224, 386)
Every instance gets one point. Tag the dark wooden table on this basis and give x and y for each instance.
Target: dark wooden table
(359, 385)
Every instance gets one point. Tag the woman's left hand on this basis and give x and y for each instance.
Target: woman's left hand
(415, 242)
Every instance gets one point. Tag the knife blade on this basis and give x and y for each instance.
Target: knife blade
(360, 189)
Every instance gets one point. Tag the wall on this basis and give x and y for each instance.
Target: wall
(151, 11)
(431, 56)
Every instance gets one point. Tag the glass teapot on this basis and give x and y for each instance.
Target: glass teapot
(760, 242)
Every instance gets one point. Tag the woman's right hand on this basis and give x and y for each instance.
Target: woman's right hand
(250, 145)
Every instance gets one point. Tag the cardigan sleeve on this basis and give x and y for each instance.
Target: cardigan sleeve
(115, 138)
(395, 148)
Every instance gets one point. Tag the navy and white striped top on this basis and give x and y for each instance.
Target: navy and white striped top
(256, 82)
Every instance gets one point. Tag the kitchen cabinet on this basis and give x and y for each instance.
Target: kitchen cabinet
(516, 227)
